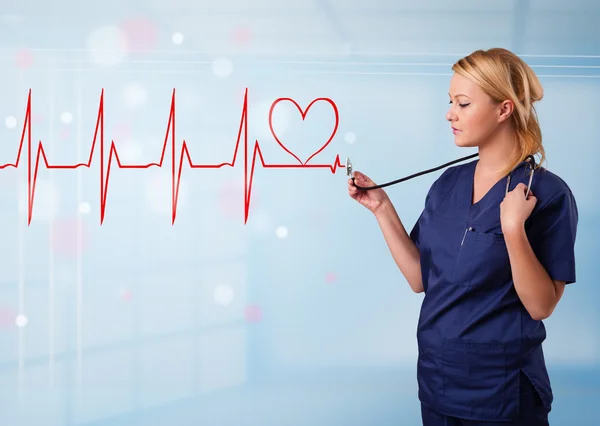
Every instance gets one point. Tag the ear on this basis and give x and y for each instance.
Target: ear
(505, 109)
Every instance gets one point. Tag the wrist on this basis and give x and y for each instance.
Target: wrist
(384, 209)
(514, 231)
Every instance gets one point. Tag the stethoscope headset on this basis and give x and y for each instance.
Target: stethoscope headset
(530, 160)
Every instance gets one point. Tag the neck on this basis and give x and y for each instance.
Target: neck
(497, 152)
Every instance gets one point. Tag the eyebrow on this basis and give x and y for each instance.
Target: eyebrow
(459, 94)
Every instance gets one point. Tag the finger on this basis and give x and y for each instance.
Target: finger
(528, 191)
(362, 178)
(521, 186)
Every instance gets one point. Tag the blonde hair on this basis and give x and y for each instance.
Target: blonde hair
(502, 75)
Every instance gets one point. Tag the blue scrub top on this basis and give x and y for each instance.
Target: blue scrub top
(474, 335)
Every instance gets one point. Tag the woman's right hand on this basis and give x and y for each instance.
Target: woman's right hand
(371, 199)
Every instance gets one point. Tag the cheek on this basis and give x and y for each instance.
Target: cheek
(478, 122)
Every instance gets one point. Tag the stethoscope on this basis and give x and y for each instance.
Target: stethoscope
(530, 160)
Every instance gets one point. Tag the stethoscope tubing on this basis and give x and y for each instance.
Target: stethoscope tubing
(393, 182)
(530, 160)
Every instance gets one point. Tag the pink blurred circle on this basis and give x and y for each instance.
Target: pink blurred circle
(64, 239)
(242, 35)
(36, 118)
(122, 131)
(7, 317)
(253, 313)
(141, 33)
(330, 277)
(24, 58)
(126, 295)
(231, 198)
(65, 133)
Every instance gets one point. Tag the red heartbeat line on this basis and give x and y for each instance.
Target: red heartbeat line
(175, 168)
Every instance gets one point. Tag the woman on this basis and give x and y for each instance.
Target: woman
(492, 259)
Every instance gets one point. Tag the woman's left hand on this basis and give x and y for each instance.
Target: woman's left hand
(515, 208)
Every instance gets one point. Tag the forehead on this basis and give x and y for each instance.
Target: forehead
(460, 85)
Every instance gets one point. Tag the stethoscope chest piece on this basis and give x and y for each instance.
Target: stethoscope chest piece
(348, 167)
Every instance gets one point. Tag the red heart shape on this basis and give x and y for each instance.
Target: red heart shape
(303, 113)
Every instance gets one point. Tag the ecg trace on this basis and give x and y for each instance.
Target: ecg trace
(176, 166)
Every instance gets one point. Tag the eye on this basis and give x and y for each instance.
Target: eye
(461, 105)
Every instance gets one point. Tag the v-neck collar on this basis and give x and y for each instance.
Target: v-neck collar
(494, 194)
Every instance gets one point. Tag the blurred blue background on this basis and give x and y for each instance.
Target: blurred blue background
(299, 316)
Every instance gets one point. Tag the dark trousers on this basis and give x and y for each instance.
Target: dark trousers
(532, 412)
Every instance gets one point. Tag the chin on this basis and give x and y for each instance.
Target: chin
(464, 143)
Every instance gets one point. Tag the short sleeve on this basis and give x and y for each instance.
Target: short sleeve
(416, 230)
(436, 187)
(552, 235)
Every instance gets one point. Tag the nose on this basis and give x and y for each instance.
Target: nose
(451, 115)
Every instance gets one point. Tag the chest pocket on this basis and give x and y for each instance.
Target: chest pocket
(482, 261)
